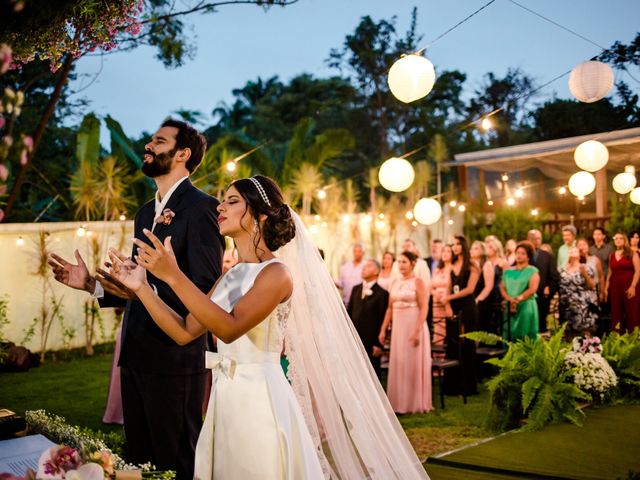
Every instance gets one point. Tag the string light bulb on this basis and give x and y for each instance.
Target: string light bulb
(450, 222)
(322, 194)
(453, 203)
(486, 124)
(519, 193)
(562, 190)
(231, 166)
(409, 215)
(534, 212)
(490, 203)
(81, 231)
(461, 208)
(123, 217)
(504, 177)
(20, 241)
(414, 223)
(511, 201)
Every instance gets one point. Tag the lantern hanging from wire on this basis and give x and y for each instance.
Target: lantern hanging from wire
(626, 181)
(582, 184)
(591, 156)
(411, 77)
(427, 211)
(396, 174)
(591, 81)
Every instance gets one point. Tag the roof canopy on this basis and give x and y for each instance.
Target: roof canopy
(554, 158)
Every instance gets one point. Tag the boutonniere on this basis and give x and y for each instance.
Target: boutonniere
(165, 217)
(368, 292)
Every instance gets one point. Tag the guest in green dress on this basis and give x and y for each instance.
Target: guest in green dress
(518, 287)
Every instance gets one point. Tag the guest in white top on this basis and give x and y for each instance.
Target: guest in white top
(351, 273)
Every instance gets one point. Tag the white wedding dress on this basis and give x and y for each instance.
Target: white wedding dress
(254, 427)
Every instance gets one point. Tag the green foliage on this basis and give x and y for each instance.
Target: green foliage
(623, 354)
(533, 384)
(50, 31)
(625, 215)
(508, 223)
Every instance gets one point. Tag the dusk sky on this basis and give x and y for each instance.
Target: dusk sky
(241, 43)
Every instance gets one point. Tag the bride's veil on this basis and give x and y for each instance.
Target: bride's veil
(356, 433)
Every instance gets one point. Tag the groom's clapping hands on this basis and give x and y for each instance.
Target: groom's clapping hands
(74, 276)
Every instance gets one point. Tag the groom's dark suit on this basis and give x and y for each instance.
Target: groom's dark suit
(367, 315)
(163, 382)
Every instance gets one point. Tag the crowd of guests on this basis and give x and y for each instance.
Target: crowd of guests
(513, 290)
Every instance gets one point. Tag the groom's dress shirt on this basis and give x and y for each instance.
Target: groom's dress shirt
(159, 207)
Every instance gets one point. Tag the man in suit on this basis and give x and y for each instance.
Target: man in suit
(367, 307)
(163, 383)
(436, 250)
(549, 278)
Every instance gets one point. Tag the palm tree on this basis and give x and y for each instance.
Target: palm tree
(306, 181)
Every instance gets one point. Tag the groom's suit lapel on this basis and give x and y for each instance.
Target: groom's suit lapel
(175, 204)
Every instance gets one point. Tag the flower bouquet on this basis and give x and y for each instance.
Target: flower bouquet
(591, 371)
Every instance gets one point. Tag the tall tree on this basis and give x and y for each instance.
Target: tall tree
(64, 31)
(507, 99)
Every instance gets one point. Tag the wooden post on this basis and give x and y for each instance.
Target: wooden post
(601, 193)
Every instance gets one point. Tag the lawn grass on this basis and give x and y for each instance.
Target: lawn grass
(77, 391)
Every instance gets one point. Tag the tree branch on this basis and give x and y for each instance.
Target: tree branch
(207, 6)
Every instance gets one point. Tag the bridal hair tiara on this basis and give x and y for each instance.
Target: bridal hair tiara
(261, 191)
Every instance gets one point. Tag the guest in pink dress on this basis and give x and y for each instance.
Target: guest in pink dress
(409, 380)
(113, 410)
(441, 286)
(385, 279)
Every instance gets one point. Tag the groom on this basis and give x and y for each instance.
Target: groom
(162, 382)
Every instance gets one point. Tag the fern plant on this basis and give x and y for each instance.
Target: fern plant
(533, 384)
(623, 354)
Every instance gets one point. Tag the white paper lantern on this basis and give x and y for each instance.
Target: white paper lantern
(396, 174)
(427, 211)
(591, 81)
(411, 78)
(591, 156)
(582, 184)
(626, 181)
(634, 196)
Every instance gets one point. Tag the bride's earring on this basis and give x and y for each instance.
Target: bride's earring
(256, 228)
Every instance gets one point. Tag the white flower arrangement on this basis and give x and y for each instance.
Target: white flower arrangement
(592, 372)
(57, 430)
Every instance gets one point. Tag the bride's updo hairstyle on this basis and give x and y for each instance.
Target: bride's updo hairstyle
(263, 197)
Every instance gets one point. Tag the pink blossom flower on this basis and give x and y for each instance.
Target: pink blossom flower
(8, 140)
(24, 157)
(5, 58)
(28, 142)
(4, 172)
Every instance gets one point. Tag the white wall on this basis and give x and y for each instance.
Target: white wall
(24, 289)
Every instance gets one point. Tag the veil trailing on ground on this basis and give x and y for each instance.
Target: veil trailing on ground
(356, 433)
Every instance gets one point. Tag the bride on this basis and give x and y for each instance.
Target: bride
(333, 420)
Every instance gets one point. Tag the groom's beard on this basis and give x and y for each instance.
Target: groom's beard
(160, 165)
